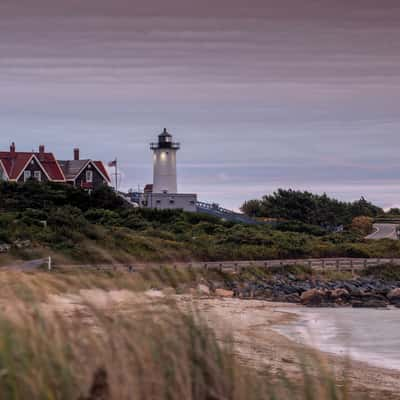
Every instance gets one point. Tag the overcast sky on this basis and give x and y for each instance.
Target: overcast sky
(262, 94)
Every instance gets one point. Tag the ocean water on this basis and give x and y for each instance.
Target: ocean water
(369, 335)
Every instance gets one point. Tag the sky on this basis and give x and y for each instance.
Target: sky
(261, 94)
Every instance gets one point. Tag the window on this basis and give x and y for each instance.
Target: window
(38, 175)
(27, 175)
(89, 176)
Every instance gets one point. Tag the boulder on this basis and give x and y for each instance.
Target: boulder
(22, 244)
(339, 293)
(290, 298)
(394, 294)
(340, 296)
(223, 293)
(203, 289)
(4, 248)
(312, 297)
(372, 303)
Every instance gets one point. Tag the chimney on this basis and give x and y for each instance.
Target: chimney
(76, 154)
(41, 149)
(12, 147)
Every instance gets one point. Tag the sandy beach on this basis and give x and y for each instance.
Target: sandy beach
(248, 325)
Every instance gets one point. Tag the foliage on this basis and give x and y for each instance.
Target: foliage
(76, 227)
(385, 272)
(309, 208)
(362, 224)
(123, 344)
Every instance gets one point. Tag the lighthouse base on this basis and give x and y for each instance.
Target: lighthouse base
(168, 201)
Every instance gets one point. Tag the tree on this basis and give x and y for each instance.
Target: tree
(309, 208)
(252, 208)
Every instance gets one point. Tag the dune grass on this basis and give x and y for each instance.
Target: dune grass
(59, 340)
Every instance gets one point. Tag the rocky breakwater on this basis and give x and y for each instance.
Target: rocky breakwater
(358, 292)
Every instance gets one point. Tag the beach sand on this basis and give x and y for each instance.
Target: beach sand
(248, 326)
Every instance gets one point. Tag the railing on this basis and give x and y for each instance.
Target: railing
(219, 212)
(216, 207)
(320, 264)
(166, 145)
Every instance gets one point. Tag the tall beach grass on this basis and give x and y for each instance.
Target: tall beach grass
(59, 340)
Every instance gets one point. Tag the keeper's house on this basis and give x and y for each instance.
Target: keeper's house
(42, 166)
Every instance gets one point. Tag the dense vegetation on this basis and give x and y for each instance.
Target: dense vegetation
(41, 219)
(309, 208)
(113, 344)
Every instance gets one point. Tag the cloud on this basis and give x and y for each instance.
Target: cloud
(261, 93)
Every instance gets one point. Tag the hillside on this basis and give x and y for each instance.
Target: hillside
(41, 219)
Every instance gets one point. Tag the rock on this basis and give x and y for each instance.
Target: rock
(336, 293)
(394, 297)
(223, 293)
(22, 244)
(312, 297)
(340, 296)
(4, 248)
(291, 298)
(373, 303)
(203, 289)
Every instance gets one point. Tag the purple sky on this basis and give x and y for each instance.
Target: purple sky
(262, 94)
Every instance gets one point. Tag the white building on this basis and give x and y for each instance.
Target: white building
(164, 164)
(163, 194)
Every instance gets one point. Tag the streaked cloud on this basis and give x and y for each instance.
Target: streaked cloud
(262, 93)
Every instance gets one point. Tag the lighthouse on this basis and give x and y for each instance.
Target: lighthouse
(164, 164)
(163, 193)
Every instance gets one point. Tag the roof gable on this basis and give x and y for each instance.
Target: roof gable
(16, 162)
(100, 167)
(33, 157)
(73, 168)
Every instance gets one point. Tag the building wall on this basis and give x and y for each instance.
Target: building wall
(98, 179)
(163, 201)
(165, 179)
(32, 167)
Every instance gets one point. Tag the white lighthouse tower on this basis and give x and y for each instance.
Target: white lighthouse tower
(164, 159)
(163, 193)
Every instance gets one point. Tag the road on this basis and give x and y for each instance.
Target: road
(384, 231)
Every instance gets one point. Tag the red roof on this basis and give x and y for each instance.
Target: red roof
(15, 163)
(101, 168)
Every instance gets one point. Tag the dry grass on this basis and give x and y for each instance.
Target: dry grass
(56, 342)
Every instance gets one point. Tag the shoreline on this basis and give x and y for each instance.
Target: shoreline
(248, 327)
(257, 343)
(308, 335)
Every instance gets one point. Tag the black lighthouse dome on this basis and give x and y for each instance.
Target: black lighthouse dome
(165, 136)
(165, 142)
